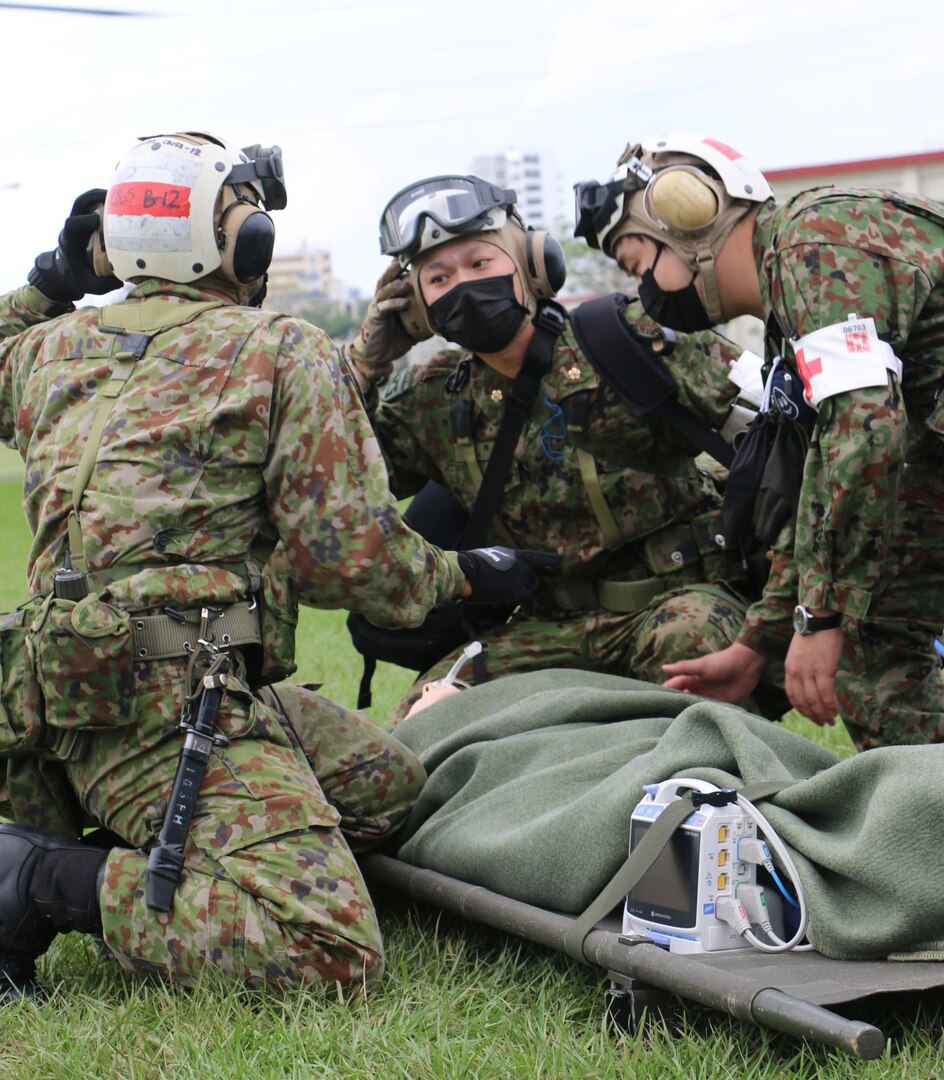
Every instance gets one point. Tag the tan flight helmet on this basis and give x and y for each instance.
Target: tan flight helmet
(432, 212)
(188, 206)
(688, 194)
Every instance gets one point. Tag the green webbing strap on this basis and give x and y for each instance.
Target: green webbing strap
(466, 452)
(141, 320)
(124, 365)
(591, 482)
(628, 597)
(643, 856)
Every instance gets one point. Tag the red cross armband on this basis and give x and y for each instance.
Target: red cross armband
(846, 356)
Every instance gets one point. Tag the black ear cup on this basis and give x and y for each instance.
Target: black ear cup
(246, 236)
(252, 252)
(555, 265)
(547, 268)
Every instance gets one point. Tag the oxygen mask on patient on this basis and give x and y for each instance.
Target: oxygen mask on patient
(450, 683)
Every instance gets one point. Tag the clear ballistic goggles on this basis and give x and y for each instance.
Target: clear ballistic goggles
(599, 207)
(456, 204)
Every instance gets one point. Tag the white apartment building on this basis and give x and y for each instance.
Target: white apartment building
(534, 176)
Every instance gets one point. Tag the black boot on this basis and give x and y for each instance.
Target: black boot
(48, 885)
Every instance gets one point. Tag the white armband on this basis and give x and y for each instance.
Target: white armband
(846, 356)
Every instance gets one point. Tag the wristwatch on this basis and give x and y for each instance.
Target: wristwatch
(805, 622)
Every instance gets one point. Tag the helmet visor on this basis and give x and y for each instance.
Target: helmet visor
(457, 204)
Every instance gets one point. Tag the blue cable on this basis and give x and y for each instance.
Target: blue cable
(782, 888)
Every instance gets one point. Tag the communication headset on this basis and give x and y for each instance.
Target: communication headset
(684, 200)
(546, 266)
(245, 235)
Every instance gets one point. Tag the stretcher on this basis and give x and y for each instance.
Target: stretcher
(787, 992)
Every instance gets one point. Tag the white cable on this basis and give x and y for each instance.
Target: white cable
(788, 864)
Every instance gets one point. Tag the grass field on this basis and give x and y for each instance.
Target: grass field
(458, 1001)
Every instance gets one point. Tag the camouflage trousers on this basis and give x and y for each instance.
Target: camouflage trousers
(889, 683)
(678, 624)
(270, 892)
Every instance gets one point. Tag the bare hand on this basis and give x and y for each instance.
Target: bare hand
(810, 670)
(728, 675)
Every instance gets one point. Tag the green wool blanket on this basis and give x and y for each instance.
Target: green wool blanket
(533, 778)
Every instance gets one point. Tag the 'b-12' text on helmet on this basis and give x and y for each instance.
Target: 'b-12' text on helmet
(186, 205)
(440, 209)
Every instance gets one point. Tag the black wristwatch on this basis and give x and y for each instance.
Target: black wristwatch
(805, 622)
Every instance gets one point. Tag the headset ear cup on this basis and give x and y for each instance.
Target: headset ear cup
(683, 201)
(248, 239)
(547, 268)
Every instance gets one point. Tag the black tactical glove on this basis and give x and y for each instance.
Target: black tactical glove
(68, 272)
(502, 575)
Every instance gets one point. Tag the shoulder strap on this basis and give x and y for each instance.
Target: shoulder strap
(642, 857)
(135, 324)
(549, 324)
(627, 363)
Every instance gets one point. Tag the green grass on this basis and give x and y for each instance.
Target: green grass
(458, 1000)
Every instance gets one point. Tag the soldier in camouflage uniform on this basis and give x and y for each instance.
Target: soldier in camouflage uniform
(643, 580)
(851, 286)
(170, 442)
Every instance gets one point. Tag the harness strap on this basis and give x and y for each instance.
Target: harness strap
(626, 362)
(601, 509)
(124, 366)
(135, 323)
(548, 324)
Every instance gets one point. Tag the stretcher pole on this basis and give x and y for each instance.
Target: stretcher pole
(741, 997)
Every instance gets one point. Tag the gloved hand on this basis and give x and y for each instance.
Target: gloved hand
(68, 272)
(503, 575)
(383, 336)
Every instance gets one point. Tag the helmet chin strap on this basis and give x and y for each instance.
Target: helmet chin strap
(705, 268)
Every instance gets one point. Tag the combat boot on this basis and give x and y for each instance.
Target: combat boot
(48, 885)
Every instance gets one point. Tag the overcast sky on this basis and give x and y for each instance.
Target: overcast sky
(365, 96)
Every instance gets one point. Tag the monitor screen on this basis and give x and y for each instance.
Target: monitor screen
(668, 892)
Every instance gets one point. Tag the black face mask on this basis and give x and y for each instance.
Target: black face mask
(479, 315)
(678, 309)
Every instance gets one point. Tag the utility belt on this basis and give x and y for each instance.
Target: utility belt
(680, 554)
(67, 665)
(174, 633)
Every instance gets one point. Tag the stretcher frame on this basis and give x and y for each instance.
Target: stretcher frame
(785, 992)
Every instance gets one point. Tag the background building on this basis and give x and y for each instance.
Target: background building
(303, 274)
(533, 175)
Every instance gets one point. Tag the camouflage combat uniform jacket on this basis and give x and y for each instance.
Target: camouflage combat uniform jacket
(233, 431)
(27, 307)
(870, 530)
(621, 500)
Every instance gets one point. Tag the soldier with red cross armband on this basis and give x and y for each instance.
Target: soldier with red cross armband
(850, 285)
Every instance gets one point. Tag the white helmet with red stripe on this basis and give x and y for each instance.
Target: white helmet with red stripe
(186, 205)
(684, 191)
